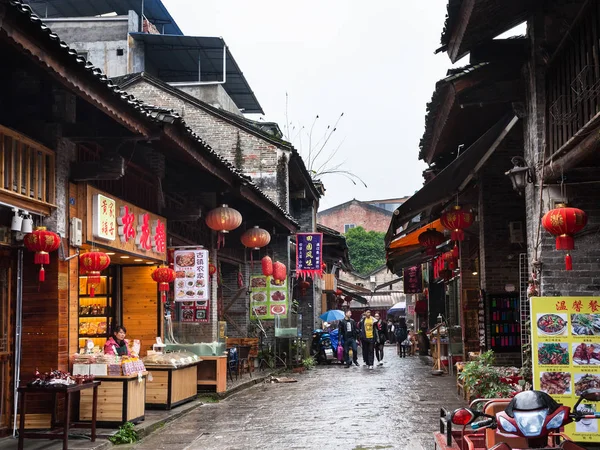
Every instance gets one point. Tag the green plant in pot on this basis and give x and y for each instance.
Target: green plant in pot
(309, 362)
(482, 380)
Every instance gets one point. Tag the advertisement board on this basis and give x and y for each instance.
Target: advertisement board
(565, 338)
(268, 298)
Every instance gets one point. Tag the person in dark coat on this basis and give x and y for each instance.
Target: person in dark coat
(423, 340)
(401, 337)
(382, 336)
(348, 333)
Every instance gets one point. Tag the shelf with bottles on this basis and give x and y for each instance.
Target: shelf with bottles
(505, 329)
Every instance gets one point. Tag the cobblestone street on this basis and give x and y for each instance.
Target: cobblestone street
(395, 406)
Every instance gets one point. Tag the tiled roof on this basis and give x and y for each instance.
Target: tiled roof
(149, 112)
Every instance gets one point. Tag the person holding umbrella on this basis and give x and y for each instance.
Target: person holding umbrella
(348, 333)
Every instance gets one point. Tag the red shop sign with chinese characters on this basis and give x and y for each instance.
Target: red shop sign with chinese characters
(115, 223)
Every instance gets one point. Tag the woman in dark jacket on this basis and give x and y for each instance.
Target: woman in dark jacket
(382, 331)
(401, 335)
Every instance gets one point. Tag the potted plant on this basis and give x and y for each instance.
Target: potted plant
(482, 380)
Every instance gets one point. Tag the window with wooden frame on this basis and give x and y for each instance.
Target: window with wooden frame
(27, 169)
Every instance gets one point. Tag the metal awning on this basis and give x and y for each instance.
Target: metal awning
(380, 301)
(454, 178)
(180, 59)
(154, 10)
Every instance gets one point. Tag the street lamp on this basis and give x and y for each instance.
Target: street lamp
(520, 174)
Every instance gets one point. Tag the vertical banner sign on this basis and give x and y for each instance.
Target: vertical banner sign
(309, 256)
(104, 215)
(413, 280)
(192, 287)
(268, 298)
(565, 338)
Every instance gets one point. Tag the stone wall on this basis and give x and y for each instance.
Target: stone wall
(357, 213)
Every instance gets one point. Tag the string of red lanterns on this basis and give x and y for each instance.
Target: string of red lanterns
(430, 239)
(457, 220)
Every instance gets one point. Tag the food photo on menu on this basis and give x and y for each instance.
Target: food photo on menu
(551, 324)
(586, 354)
(585, 324)
(555, 383)
(587, 425)
(585, 381)
(553, 353)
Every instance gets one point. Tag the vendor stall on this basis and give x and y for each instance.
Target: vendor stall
(174, 379)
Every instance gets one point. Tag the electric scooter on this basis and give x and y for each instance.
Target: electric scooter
(531, 420)
(322, 347)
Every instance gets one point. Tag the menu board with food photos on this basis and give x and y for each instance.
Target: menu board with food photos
(194, 311)
(191, 276)
(565, 338)
(268, 298)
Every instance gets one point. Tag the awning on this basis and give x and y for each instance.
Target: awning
(380, 301)
(412, 238)
(454, 178)
(352, 287)
(174, 58)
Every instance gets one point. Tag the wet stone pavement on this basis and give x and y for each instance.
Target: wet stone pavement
(394, 406)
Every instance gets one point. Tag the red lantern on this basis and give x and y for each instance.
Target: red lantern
(279, 272)
(92, 263)
(212, 269)
(348, 299)
(223, 219)
(563, 222)
(430, 239)
(457, 220)
(303, 285)
(42, 242)
(267, 266)
(450, 259)
(338, 292)
(421, 307)
(255, 238)
(163, 276)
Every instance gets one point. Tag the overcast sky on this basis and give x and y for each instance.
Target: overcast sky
(373, 61)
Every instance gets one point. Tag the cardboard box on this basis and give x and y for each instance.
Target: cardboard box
(81, 369)
(98, 369)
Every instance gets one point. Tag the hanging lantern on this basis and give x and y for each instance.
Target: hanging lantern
(457, 220)
(338, 292)
(279, 272)
(163, 276)
(267, 266)
(303, 285)
(450, 259)
(92, 263)
(223, 219)
(42, 242)
(421, 307)
(212, 269)
(348, 299)
(563, 222)
(240, 277)
(255, 238)
(430, 239)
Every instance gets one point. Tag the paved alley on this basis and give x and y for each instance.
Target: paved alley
(395, 406)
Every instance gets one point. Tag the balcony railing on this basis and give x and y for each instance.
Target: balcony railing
(27, 168)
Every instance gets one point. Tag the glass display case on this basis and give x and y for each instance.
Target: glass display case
(95, 313)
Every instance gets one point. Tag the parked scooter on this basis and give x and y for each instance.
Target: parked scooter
(322, 347)
(532, 419)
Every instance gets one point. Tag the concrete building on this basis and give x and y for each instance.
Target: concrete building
(355, 213)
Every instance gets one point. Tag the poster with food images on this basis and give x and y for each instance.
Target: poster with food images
(191, 276)
(268, 298)
(194, 312)
(565, 338)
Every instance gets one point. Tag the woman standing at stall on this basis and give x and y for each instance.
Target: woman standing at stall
(117, 344)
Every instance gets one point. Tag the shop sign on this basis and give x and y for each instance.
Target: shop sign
(192, 280)
(123, 226)
(104, 215)
(413, 280)
(566, 355)
(309, 257)
(268, 298)
(410, 309)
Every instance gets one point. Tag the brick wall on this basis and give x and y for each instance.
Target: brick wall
(358, 214)
(263, 161)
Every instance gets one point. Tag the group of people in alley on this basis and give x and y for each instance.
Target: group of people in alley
(372, 333)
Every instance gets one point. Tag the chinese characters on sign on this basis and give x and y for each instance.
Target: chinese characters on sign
(413, 280)
(309, 256)
(565, 336)
(267, 298)
(192, 284)
(126, 222)
(104, 217)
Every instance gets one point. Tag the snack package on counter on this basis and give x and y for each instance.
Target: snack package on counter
(135, 348)
(114, 369)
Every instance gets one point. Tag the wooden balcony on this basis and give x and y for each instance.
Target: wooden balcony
(27, 173)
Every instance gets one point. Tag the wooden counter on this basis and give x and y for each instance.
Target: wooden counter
(212, 373)
(171, 386)
(120, 399)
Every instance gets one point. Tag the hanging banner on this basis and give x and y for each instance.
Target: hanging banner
(413, 280)
(565, 341)
(191, 277)
(196, 312)
(267, 298)
(309, 257)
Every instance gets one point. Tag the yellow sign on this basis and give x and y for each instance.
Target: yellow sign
(565, 343)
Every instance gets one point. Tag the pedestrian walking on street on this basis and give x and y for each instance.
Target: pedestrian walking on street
(368, 337)
(382, 332)
(401, 337)
(348, 333)
(390, 329)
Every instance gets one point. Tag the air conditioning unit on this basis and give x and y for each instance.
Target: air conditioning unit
(516, 232)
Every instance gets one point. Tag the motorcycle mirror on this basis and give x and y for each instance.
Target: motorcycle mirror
(591, 395)
(463, 416)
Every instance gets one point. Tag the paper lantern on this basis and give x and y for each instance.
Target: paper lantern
(279, 272)
(212, 269)
(430, 239)
(223, 219)
(255, 238)
(91, 264)
(563, 222)
(42, 242)
(163, 276)
(457, 220)
(450, 260)
(267, 266)
(303, 285)
(338, 292)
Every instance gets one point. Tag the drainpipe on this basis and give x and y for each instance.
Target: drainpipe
(18, 330)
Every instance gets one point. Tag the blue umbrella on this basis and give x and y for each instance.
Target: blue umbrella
(398, 308)
(330, 316)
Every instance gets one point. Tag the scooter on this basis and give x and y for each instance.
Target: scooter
(322, 347)
(532, 419)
